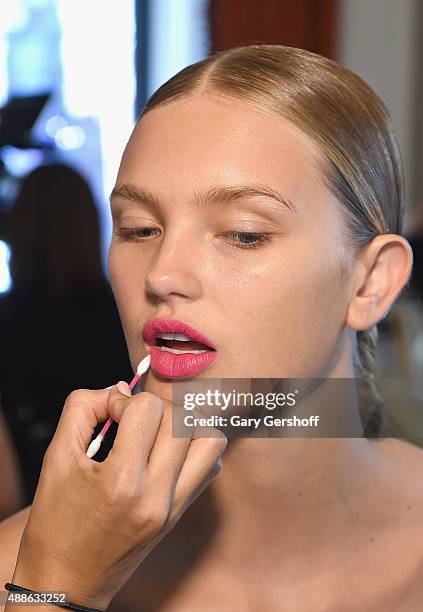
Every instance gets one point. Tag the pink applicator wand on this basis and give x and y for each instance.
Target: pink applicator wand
(96, 443)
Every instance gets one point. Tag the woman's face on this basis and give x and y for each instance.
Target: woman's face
(213, 245)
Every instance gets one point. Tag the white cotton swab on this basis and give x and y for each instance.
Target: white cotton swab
(96, 443)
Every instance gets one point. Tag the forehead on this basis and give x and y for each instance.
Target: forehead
(206, 139)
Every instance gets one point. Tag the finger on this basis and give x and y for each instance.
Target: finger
(83, 410)
(139, 420)
(118, 400)
(168, 453)
(192, 496)
(200, 466)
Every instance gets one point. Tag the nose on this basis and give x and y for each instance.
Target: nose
(174, 271)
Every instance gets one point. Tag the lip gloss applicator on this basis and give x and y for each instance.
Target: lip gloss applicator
(96, 443)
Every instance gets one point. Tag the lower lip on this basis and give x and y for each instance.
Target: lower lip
(171, 365)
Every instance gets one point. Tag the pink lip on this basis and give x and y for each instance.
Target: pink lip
(171, 365)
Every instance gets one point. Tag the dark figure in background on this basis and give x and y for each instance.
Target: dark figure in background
(59, 326)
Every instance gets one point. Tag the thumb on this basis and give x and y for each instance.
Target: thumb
(118, 400)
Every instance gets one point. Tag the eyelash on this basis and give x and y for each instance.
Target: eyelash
(260, 237)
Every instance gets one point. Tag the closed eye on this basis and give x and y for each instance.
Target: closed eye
(248, 240)
(136, 233)
(241, 240)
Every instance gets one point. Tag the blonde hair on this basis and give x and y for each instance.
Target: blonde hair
(342, 114)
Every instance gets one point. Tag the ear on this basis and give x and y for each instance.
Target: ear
(383, 268)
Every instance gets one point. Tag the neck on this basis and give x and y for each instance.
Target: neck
(286, 495)
(283, 479)
(280, 503)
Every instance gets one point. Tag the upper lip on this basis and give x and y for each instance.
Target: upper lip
(154, 327)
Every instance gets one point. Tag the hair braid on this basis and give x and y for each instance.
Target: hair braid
(370, 391)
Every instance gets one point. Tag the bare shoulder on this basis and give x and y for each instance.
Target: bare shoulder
(10, 536)
(403, 476)
(381, 555)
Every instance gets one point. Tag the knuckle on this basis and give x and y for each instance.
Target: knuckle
(120, 490)
(153, 517)
(119, 496)
(218, 444)
(76, 396)
(150, 400)
(78, 399)
(127, 489)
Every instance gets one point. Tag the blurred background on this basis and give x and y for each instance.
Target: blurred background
(74, 76)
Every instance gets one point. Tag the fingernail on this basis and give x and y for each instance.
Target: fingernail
(123, 387)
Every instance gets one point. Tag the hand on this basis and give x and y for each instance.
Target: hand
(92, 524)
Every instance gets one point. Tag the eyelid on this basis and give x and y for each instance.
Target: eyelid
(130, 233)
(136, 218)
(123, 209)
(136, 221)
(262, 238)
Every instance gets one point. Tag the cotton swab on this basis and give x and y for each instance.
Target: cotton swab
(96, 443)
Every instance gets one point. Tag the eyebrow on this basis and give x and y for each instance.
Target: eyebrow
(216, 194)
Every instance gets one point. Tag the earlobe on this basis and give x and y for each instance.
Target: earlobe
(385, 268)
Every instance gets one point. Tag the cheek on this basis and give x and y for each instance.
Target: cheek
(317, 316)
(293, 315)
